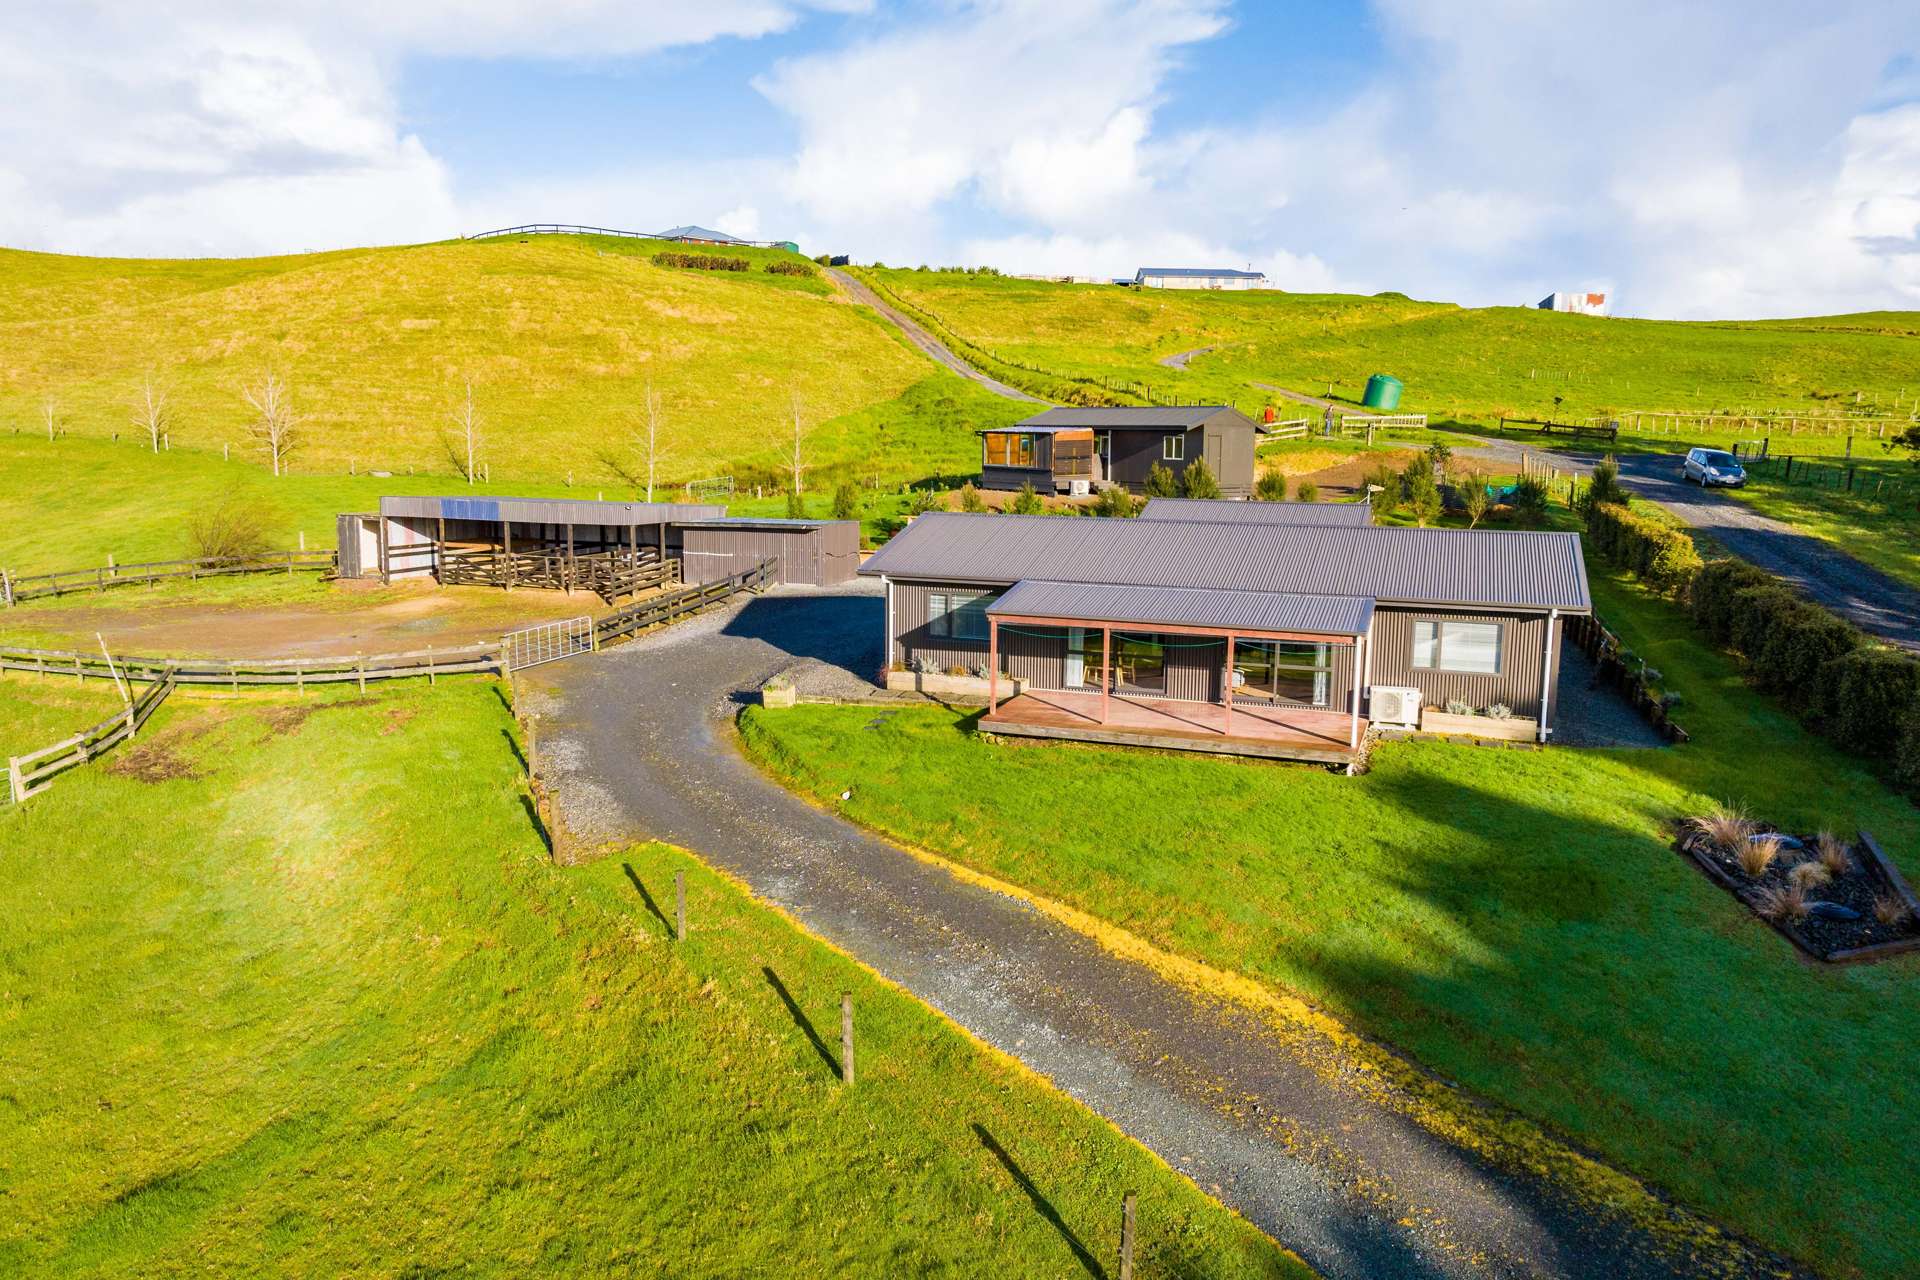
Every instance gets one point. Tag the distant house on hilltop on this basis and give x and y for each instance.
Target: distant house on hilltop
(1581, 304)
(700, 235)
(1198, 278)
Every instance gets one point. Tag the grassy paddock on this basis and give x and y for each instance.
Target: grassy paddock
(333, 1011)
(1514, 920)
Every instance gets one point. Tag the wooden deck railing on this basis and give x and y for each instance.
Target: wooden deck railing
(15, 588)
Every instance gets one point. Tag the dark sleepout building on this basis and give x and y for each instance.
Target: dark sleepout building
(1069, 450)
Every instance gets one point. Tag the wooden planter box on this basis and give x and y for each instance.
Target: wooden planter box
(945, 686)
(778, 695)
(1511, 730)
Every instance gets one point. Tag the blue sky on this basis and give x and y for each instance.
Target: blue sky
(1713, 159)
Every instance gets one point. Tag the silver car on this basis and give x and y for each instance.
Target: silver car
(1713, 466)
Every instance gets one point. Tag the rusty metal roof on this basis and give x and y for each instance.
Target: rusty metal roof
(1186, 607)
(551, 510)
(1226, 510)
(1454, 567)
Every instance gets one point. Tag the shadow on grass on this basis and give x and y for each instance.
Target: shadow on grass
(666, 925)
(801, 1020)
(513, 745)
(1041, 1205)
(539, 825)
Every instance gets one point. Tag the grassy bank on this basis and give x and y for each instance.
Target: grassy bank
(1476, 362)
(1514, 920)
(335, 1012)
(560, 336)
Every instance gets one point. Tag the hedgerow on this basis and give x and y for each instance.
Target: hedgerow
(701, 262)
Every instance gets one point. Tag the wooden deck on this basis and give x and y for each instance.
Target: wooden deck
(1251, 729)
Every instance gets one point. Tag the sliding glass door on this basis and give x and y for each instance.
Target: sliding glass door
(1283, 671)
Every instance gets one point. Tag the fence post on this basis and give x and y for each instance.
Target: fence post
(6, 587)
(1126, 1234)
(846, 1037)
(679, 906)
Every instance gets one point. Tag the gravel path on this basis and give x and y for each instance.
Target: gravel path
(926, 342)
(1178, 360)
(1270, 1115)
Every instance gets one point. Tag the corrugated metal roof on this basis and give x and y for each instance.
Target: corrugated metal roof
(1146, 417)
(780, 523)
(551, 510)
(1031, 426)
(1520, 570)
(691, 232)
(1186, 607)
(1194, 273)
(1225, 510)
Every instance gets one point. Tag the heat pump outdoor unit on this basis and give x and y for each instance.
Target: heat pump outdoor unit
(1394, 705)
(1079, 488)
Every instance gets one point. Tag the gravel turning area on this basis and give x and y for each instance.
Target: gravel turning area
(926, 342)
(1271, 1115)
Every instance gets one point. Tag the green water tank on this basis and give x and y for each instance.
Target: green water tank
(1383, 393)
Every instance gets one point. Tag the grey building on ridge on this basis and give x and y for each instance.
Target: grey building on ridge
(1085, 450)
(1255, 636)
(1198, 278)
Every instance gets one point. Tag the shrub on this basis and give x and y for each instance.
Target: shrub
(1198, 481)
(1663, 556)
(701, 262)
(796, 507)
(1726, 828)
(1270, 487)
(1160, 482)
(924, 665)
(1114, 502)
(234, 529)
(921, 501)
(1710, 596)
(1475, 501)
(1026, 502)
(1459, 707)
(846, 501)
(1865, 699)
(1605, 489)
(970, 499)
(1382, 487)
(784, 268)
(1798, 640)
(956, 670)
(1307, 491)
(1529, 502)
(1890, 908)
(1500, 711)
(1757, 853)
(1423, 496)
(1782, 902)
(1809, 875)
(1832, 852)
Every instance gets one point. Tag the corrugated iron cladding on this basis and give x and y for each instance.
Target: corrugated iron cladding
(1225, 511)
(1415, 566)
(551, 510)
(1187, 607)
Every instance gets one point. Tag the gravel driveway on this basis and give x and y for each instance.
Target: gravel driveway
(1265, 1114)
(926, 342)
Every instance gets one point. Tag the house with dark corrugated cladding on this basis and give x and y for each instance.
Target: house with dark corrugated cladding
(1198, 630)
(1086, 450)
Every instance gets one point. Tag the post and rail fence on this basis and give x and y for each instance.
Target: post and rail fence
(32, 773)
(17, 587)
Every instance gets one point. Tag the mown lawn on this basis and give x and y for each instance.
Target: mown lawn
(1515, 920)
(291, 987)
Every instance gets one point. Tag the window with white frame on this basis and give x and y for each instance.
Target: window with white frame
(958, 615)
(1173, 448)
(1469, 647)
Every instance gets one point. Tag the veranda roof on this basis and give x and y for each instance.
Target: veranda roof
(1213, 609)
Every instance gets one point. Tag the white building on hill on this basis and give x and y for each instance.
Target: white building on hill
(1580, 304)
(1198, 278)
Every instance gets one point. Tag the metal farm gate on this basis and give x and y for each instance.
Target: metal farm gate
(547, 642)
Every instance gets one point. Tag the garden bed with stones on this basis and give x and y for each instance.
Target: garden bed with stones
(1840, 901)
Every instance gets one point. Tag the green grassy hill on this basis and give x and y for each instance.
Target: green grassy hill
(1456, 362)
(559, 335)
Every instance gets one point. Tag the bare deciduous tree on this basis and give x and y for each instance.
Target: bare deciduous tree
(647, 439)
(275, 423)
(465, 445)
(793, 458)
(151, 412)
(50, 410)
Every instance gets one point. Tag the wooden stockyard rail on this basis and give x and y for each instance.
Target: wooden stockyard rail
(608, 574)
(31, 773)
(14, 589)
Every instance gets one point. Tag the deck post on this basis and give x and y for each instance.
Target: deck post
(570, 566)
(440, 550)
(1226, 727)
(386, 577)
(993, 665)
(1106, 669)
(1353, 734)
(506, 544)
